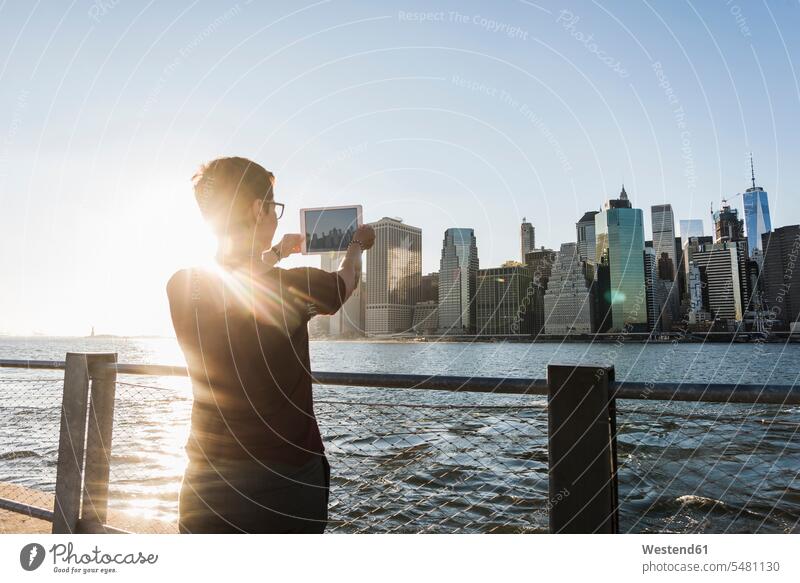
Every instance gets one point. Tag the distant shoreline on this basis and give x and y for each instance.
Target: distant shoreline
(641, 338)
(717, 338)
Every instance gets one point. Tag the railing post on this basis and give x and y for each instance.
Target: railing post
(582, 449)
(70, 445)
(98, 440)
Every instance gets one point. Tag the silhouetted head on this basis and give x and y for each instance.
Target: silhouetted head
(236, 198)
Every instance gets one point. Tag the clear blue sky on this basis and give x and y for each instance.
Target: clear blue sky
(447, 114)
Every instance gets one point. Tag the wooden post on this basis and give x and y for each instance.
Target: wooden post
(70, 445)
(582, 450)
(98, 439)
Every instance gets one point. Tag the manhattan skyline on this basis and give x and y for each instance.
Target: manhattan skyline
(447, 115)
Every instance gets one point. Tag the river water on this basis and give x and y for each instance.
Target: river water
(408, 461)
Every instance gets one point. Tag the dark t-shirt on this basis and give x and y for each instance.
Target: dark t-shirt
(246, 346)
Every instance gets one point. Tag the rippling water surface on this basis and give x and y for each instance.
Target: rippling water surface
(426, 460)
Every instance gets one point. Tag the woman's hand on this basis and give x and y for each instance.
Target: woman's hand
(365, 235)
(289, 244)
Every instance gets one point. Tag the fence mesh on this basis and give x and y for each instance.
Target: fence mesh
(30, 420)
(434, 461)
(455, 467)
(456, 464)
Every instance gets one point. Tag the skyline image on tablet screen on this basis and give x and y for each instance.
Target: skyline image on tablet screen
(330, 230)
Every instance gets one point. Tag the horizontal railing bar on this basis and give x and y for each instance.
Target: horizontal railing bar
(22, 508)
(33, 364)
(690, 392)
(501, 385)
(160, 370)
(708, 392)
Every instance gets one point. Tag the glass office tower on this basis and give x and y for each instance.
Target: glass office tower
(756, 217)
(619, 230)
(458, 273)
(664, 235)
(587, 244)
(691, 228)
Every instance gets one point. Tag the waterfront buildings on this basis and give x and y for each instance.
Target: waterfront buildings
(697, 295)
(458, 273)
(426, 318)
(569, 302)
(540, 261)
(719, 263)
(350, 319)
(664, 238)
(394, 271)
(584, 230)
(781, 275)
(503, 301)
(619, 230)
(691, 246)
(429, 287)
(656, 298)
(527, 239)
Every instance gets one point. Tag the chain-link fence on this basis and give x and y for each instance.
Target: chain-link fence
(437, 461)
(151, 425)
(401, 460)
(30, 418)
(710, 468)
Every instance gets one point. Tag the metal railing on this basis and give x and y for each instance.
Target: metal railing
(582, 432)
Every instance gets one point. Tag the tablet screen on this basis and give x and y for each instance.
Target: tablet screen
(329, 230)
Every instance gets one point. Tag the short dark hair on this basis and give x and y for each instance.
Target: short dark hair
(225, 189)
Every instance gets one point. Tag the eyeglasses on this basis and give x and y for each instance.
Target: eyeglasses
(278, 208)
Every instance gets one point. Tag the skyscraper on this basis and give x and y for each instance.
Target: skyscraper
(426, 317)
(429, 291)
(664, 235)
(656, 298)
(458, 273)
(756, 213)
(501, 305)
(727, 225)
(691, 228)
(781, 275)
(619, 229)
(569, 300)
(394, 270)
(527, 239)
(540, 262)
(584, 229)
(696, 296)
(692, 246)
(665, 268)
(720, 263)
(349, 320)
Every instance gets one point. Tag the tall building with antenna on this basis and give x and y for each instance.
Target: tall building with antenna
(756, 213)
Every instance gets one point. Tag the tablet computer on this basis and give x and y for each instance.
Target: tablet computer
(328, 229)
